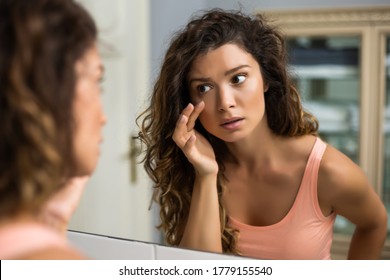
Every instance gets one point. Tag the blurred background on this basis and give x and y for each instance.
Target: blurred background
(339, 58)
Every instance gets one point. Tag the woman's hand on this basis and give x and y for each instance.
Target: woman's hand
(59, 209)
(196, 148)
(202, 230)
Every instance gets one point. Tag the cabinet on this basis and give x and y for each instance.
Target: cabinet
(340, 60)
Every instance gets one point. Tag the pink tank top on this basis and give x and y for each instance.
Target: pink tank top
(18, 240)
(304, 233)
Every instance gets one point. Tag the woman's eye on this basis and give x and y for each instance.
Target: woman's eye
(238, 79)
(204, 88)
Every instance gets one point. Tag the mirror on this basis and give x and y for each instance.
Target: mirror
(134, 37)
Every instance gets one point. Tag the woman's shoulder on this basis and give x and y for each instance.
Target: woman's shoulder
(298, 148)
(336, 166)
(28, 239)
(339, 176)
(55, 253)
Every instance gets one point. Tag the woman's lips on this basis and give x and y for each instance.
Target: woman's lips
(232, 124)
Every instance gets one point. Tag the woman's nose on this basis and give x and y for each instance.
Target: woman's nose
(226, 99)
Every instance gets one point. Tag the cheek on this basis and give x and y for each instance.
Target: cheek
(194, 99)
(87, 110)
(207, 117)
(254, 96)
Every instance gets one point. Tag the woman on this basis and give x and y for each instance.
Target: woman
(51, 120)
(235, 158)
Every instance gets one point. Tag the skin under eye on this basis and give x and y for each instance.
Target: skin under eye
(203, 88)
(238, 79)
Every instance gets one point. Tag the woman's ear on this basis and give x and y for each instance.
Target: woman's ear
(266, 88)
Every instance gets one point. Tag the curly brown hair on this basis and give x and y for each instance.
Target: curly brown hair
(41, 40)
(164, 162)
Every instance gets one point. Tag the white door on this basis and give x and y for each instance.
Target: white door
(115, 204)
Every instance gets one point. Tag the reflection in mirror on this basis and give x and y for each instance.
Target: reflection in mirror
(117, 204)
(234, 156)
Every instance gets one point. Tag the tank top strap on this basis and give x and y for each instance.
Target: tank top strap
(318, 150)
(314, 161)
(310, 180)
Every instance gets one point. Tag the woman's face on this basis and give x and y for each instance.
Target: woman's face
(229, 81)
(88, 112)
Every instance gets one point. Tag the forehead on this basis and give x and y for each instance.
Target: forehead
(225, 57)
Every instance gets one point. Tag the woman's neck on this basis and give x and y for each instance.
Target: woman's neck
(18, 219)
(261, 147)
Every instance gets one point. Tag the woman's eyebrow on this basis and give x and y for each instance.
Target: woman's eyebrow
(203, 80)
(227, 73)
(231, 71)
